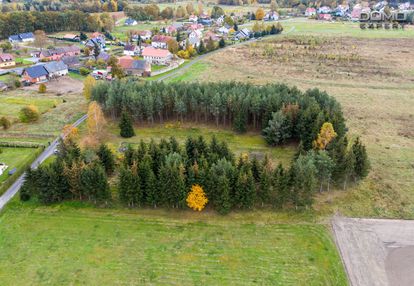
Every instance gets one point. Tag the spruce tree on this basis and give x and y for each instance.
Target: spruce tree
(107, 158)
(127, 130)
(201, 48)
(222, 43)
(362, 164)
(223, 201)
(245, 189)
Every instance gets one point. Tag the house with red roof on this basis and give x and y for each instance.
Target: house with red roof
(134, 67)
(6, 60)
(160, 41)
(157, 56)
(310, 12)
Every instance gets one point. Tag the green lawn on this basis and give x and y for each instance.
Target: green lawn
(65, 245)
(190, 73)
(14, 158)
(76, 76)
(251, 142)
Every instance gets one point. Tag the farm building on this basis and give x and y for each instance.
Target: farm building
(134, 67)
(56, 54)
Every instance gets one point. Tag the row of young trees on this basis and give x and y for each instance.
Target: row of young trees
(23, 21)
(162, 174)
(240, 105)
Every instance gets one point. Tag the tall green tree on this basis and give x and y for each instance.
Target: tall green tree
(127, 130)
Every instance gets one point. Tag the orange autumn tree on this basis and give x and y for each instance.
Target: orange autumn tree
(325, 136)
(70, 132)
(96, 120)
(197, 199)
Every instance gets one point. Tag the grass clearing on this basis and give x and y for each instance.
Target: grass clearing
(107, 247)
(252, 142)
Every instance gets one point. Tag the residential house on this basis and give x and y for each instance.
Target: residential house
(160, 41)
(24, 37)
(135, 67)
(224, 30)
(205, 19)
(131, 50)
(71, 37)
(195, 27)
(35, 74)
(57, 53)
(99, 41)
(194, 38)
(171, 30)
(324, 10)
(242, 34)
(145, 35)
(103, 56)
(157, 56)
(193, 18)
(130, 22)
(6, 60)
(325, 17)
(271, 16)
(71, 62)
(220, 21)
(210, 35)
(98, 35)
(56, 69)
(309, 12)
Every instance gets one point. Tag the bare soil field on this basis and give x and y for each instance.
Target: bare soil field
(376, 252)
(372, 78)
(60, 86)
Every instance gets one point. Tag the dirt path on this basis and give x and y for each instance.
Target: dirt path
(376, 252)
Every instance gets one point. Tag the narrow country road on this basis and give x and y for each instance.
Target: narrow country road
(11, 192)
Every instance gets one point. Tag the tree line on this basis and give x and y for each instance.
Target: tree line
(242, 106)
(50, 21)
(162, 175)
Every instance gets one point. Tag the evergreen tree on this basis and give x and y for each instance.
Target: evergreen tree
(127, 130)
(201, 48)
(265, 182)
(245, 189)
(94, 183)
(304, 180)
(222, 43)
(223, 200)
(324, 166)
(278, 129)
(107, 158)
(280, 184)
(362, 165)
(349, 167)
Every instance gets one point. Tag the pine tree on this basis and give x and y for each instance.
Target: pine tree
(201, 48)
(349, 167)
(127, 130)
(107, 158)
(223, 200)
(245, 189)
(265, 182)
(222, 43)
(362, 165)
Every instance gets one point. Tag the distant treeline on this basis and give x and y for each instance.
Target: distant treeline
(161, 174)
(240, 105)
(89, 6)
(21, 22)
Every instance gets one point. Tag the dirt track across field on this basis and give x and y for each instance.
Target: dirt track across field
(376, 252)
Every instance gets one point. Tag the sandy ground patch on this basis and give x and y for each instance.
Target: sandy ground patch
(60, 86)
(376, 252)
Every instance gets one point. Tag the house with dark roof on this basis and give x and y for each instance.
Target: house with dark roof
(6, 60)
(130, 22)
(103, 56)
(131, 50)
(57, 53)
(242, 34)
(71, 62)
(56, 69)
(160, 41)
(100, 41)
(35, 74)
(24, 37)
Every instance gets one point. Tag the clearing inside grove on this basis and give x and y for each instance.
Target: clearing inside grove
(372, 78)
(68, 244)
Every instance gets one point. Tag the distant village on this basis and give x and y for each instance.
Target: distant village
(34, 57)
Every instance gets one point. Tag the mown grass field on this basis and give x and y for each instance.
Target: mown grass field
(68, 245)
(371, 76)
(14, 158)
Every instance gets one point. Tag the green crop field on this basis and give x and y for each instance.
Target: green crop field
(68, 245)
(14, 158)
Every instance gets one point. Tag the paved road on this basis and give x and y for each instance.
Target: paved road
(11, 192)
(376, 252)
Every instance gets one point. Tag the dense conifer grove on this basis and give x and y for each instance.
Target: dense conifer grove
(162, 174)
(240, 105)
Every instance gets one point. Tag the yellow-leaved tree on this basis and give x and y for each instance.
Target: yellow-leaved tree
(197, 199)
(70, 132)
(325, 136)
(88, 85)
(260, 14)
(96, 119)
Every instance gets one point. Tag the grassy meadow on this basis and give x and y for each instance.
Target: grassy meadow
(14, 158)
(66, 244)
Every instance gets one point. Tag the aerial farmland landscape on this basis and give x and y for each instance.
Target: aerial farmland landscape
(206, 143)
